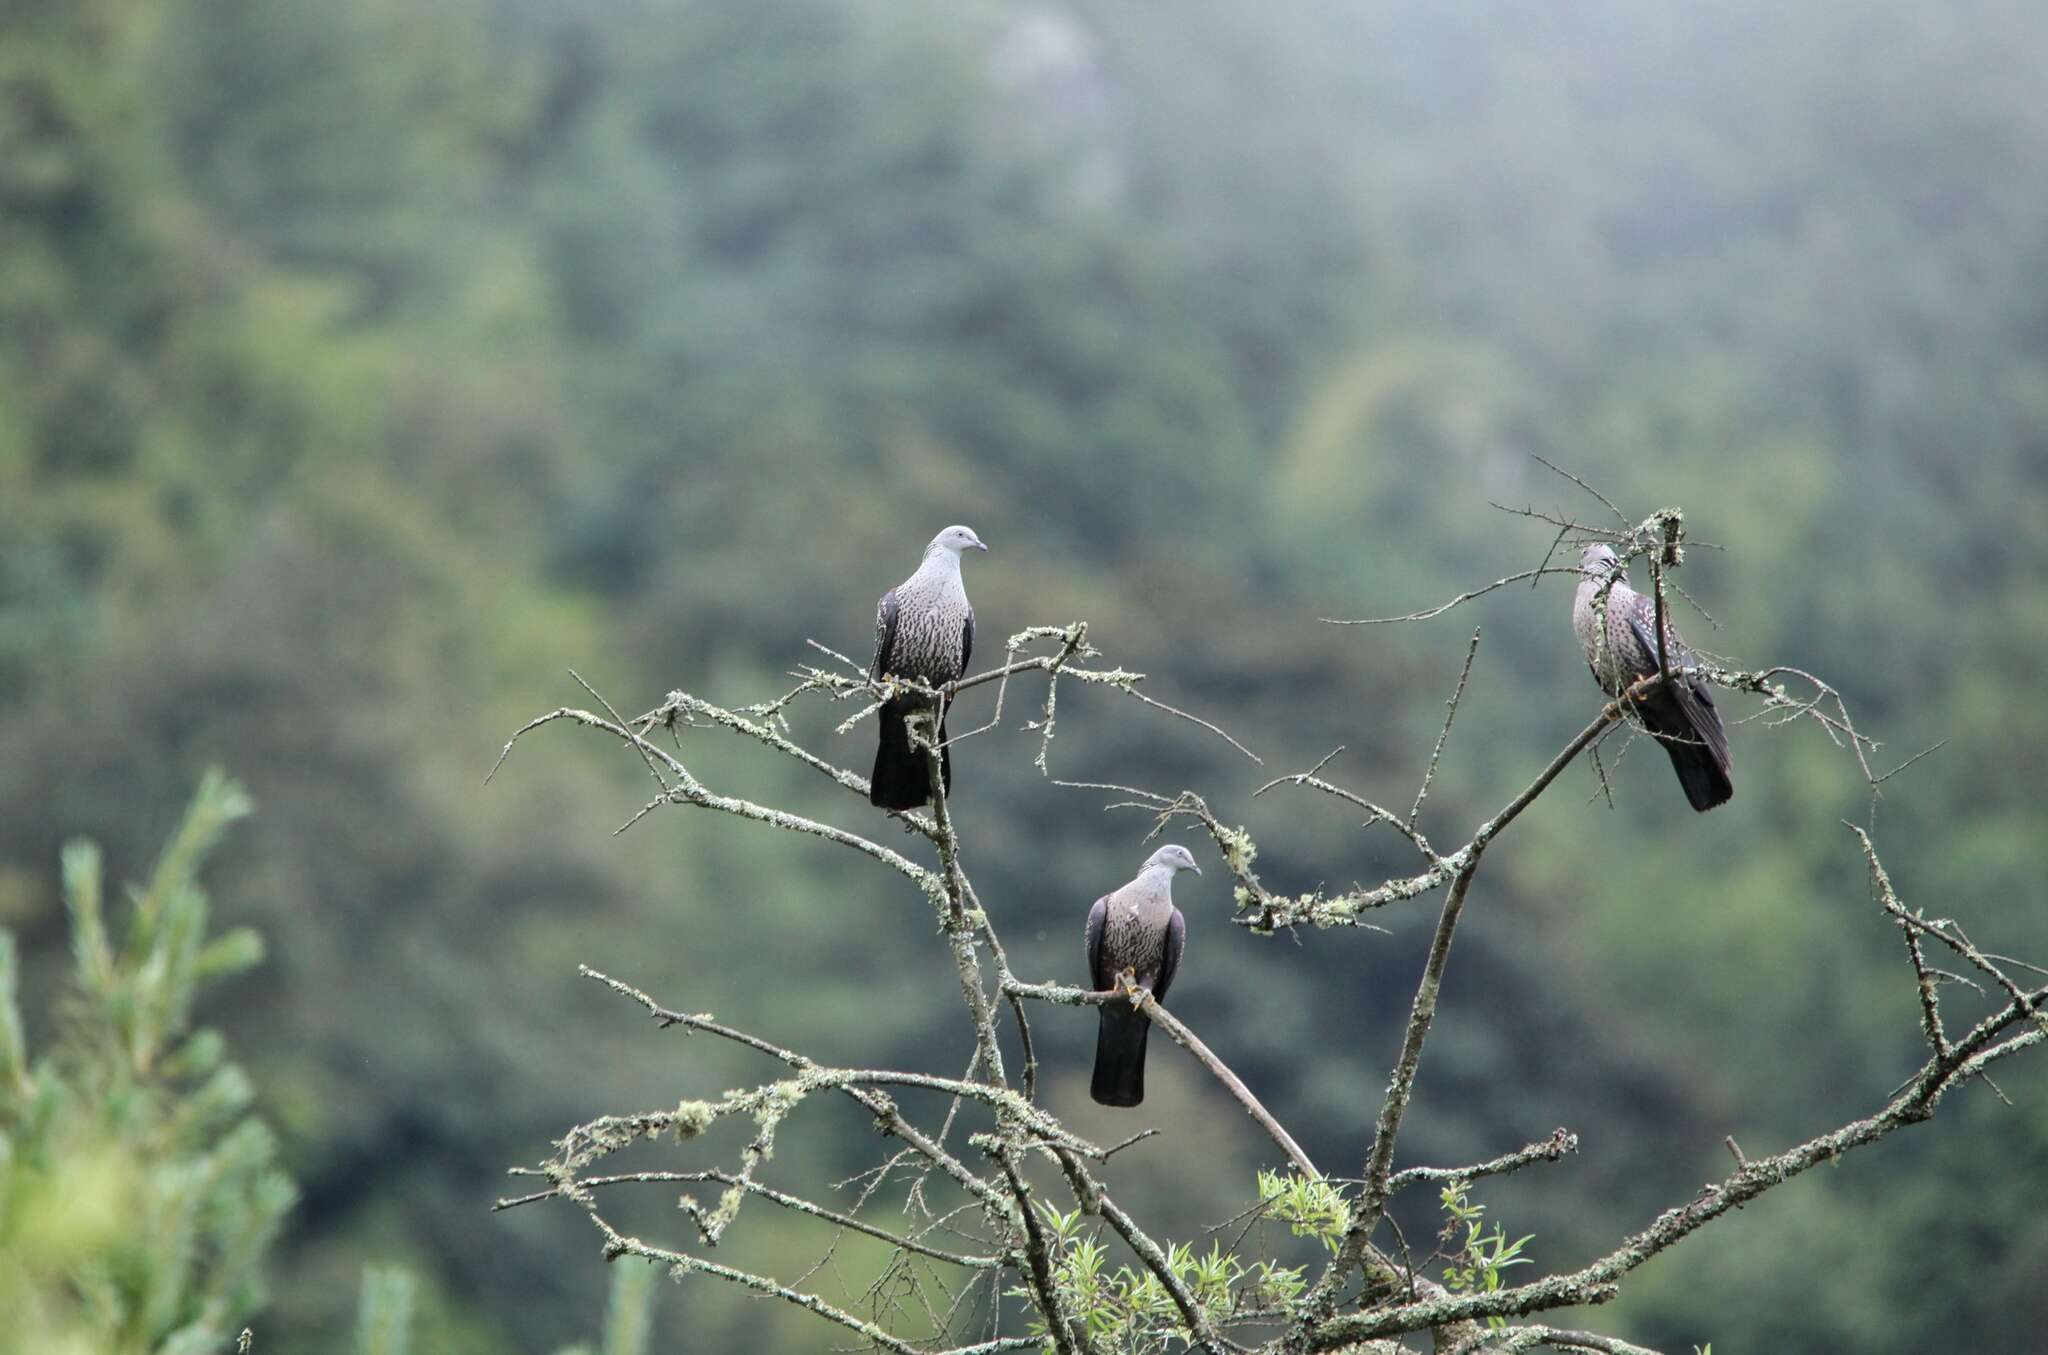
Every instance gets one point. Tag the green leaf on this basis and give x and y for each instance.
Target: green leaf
(82, 898)
(230, 953)
(217, 803)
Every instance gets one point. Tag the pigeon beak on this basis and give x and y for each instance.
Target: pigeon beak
(1196, 869)
(981, 545)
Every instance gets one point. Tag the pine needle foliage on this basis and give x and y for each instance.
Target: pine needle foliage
(138, 1192)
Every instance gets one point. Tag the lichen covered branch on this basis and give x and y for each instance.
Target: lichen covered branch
(980, 1201)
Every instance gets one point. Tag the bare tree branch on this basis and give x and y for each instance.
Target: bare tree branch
(1431, 613)
(1038, 1258)
(1528, 1338)
(1373, 1202)
(960, 928)
(1007, 1226)
(787, 1201)
(1187, 1040)
(1450, 714)
(1544, 461)
(1595, 1282)
(1560, 1143)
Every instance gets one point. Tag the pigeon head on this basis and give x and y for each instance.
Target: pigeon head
(1172, 857)
(1598, 560)
(954, 540)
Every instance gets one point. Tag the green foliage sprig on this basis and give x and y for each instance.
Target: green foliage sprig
(140, 1194)
(1130, 1311)
(1480, 1257)
(1309, 1207)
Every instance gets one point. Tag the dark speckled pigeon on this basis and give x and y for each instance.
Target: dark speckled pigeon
(1680, 714)
(1136, 928)
(924, 628)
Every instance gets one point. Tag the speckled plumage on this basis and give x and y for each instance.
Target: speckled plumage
(1681, 715)
(1135, 928)
(924, 629)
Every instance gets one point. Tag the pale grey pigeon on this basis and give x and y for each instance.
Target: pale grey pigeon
(1136, 928)
(1680, 714)
(924, 629)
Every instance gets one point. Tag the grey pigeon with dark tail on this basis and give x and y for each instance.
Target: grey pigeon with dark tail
(1136, 928)
(924, 629)
(1680, 714)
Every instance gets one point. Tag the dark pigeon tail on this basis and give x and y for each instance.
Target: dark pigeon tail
(1690, 729)
(1120, 1056)
(1701, 773)
(901, 779)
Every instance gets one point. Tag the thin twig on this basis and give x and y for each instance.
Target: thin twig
(1450, 714)
(1186, 1039)
(1198, 720)
(884, 1111)
(641, 744)
(1436, 611)
(1561, 1142)
(1375, 813)
(1552, 465)
(791, 1202)
(1924, 752)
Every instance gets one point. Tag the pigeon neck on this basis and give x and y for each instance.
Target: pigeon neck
(1609, 582)
(939, 560)
(1159, 877)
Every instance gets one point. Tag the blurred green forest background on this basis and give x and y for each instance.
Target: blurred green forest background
(366, 365)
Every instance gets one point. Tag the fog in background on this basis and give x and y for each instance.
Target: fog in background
(365, 366)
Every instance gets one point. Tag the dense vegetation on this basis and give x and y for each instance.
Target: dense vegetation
(364, 366)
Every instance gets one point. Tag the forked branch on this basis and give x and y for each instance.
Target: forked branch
(996, 1224)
